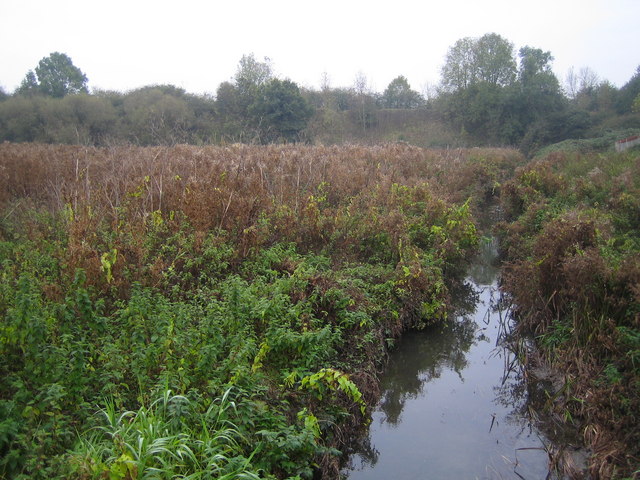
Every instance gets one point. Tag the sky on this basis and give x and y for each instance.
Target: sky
(123, 45)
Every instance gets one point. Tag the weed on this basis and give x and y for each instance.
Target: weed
(229, 303)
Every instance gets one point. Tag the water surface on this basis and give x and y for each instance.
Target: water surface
(454, 404)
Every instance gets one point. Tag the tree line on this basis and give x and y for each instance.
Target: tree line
(490, 93)
(487, 95)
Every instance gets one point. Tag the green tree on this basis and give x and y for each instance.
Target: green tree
(635, 107)
(235, 99)
(488, 59)
(29, 84)
(628, 93)
(458, 71)
(55, 76)
(231, 118)
(87, 119)
(251, 75)
(540, 92)
(533, 63)
(22, 119)
(541, 105)
(399, 95)
(495, 63)
(477, 79)
(280, 112)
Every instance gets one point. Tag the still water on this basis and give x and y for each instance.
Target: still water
(454, 405)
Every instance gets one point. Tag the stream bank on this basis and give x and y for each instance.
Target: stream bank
(455, 402)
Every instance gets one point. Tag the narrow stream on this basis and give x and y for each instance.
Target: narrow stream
(454, 404)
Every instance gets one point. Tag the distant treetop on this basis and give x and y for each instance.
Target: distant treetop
(55, 76)
(488, 59)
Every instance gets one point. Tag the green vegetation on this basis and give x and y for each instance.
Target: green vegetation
(574, 270)
(200, 311)
(55, 76)
(215, 312)
(487, 96)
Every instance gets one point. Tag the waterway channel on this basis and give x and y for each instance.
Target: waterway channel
(454, 403)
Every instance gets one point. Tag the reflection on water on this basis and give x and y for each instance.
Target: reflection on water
(413, 368)
(454, 403)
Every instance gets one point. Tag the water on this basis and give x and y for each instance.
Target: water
(454, 404)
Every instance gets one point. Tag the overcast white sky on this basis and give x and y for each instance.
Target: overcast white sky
(122, 45)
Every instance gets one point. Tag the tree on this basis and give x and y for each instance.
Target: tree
(256, 107)
(399, 95)
(458, 71)
(491, 101)
(541, 105)
(605, 97)
(365, 102)
(487, 59)
(534, 63)
(477, 79)
(55, 76)
(29, 84)
(628, 93)
(235, 99)
(540, 91)
(589, 79)
(495, 63)
(635, 106)
(591, 93)
(252, 74)
(158, 115)
(22, 119)
(280, 111)
(571, 83)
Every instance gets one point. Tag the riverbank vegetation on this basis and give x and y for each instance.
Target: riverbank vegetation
(216, 311)
(573, 250)
(198, 286)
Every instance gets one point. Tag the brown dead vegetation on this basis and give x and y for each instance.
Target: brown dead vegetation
(573, 272)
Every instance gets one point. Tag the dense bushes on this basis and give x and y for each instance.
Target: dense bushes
(574, 273)
(214, 311)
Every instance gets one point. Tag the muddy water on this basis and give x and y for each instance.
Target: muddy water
(454, 404)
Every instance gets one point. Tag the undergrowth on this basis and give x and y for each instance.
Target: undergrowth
(218, 312)
(572, 241)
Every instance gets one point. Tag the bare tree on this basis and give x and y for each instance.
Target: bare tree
(571, 83)
(588, 79)
(362, 89)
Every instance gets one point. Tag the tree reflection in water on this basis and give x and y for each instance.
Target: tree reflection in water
(461, 390)
(413, 366)
(421, 356)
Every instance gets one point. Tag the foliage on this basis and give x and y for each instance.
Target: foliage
(282, 112)
(470, 61)
(483, 99)
(601, 143)
(628, 93)
(252, 74)
(574, 266)
(158, 116)
(222, 308)
(55, 76)
(398, 94)
(489, 104)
